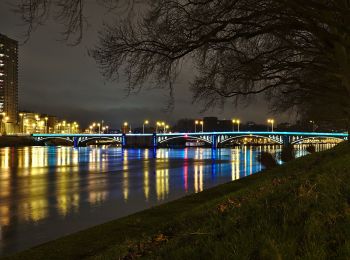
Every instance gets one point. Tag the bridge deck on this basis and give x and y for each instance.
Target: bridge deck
(263, 133)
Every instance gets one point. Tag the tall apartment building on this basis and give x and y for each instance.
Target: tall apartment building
(9, 82)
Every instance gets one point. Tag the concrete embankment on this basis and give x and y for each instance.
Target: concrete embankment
(16, 141)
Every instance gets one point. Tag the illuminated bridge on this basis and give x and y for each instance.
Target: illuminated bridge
(214, 139)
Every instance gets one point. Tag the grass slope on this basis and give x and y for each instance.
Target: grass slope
(296, 211)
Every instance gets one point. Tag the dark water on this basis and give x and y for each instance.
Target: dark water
(49, 192)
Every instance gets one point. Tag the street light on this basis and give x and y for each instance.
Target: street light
(167, 127)
(235, 121)
(99, 128)
(157, 125)
(146, 122)
(271, 121)
(202, 124)
(233, 124)
(125, 126)
(195, 125)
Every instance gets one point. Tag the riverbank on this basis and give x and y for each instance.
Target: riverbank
(298, 210)
(16, 141)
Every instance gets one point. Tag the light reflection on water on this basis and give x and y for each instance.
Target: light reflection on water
(48, 192)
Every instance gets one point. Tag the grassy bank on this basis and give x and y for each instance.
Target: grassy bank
(298, 210)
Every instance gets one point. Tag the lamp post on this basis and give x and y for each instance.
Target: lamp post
(233, 124)
(202, 124)
(271, 121)
(99, 128)
(125, 127)
(235, 121)
(146, 122)
(167, 128)
(195, 125)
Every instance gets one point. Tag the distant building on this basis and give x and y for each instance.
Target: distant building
(30, 123)
(210, 124)
(225, 125)
(8, 83)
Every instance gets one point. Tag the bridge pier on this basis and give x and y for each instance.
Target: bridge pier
(124, 141)
(214, 144)
(76, 142)
(286, 140)
(154, 141)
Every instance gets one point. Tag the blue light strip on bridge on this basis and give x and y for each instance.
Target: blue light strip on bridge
(77, 135)
(259, 133)
(199, 134)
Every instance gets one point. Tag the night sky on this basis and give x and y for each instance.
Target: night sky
(64, 81)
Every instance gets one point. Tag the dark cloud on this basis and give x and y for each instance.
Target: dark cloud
(63, 80)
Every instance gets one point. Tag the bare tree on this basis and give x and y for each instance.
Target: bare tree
(294, 51)
(69, 13)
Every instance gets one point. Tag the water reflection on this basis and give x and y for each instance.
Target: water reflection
(47, 192)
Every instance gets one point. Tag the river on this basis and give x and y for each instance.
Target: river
(49, 192)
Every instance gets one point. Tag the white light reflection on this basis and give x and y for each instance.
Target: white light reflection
(162, 184)
(235, 159)
(146, 185)
(125, 175)
(198, 178)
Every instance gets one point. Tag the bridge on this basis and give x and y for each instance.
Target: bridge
(214, 139)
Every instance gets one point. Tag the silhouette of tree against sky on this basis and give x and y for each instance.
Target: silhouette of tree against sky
(297, 52)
